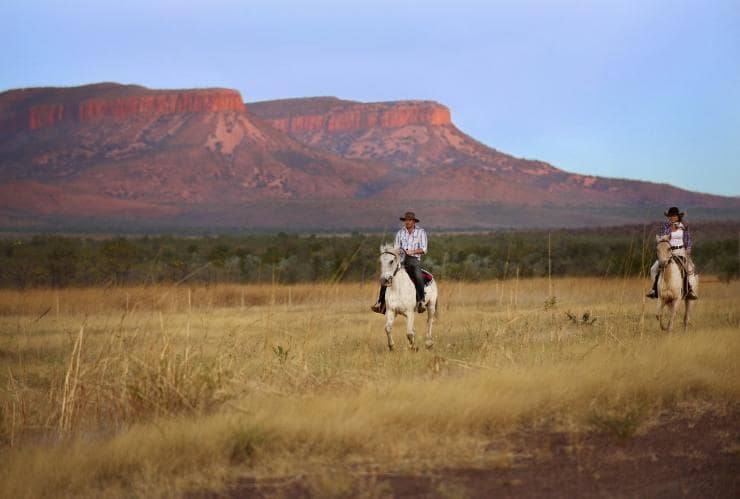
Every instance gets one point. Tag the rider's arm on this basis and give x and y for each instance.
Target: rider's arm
(687, 241)
(423, 243)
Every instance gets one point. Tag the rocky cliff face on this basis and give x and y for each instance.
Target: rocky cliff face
(333, 115)
(410, 135)
(33, 109)
(197, 158)
(439, 161)
(113, 151)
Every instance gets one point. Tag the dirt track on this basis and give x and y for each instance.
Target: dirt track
(680, 458)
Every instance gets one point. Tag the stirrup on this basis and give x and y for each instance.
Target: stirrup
(420, 307)
(692, 296)
(652, 294)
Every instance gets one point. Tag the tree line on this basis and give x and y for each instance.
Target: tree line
(52, 260)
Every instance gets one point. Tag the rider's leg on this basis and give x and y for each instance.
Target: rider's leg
(413, 269)
(691, 276)
(654, 278)
(693, 279)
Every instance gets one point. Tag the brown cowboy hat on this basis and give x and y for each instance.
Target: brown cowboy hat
(673, 210)
(409, 215)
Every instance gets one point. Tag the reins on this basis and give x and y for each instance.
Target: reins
(674, 258)
(398, 263)
(662, 265)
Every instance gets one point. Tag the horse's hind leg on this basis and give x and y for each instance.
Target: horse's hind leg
(431, 309)
(686, 314)
(389, 317)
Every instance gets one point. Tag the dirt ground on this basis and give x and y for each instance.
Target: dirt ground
(676, 458)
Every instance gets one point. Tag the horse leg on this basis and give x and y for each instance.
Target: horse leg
(659, 313)
(672, 314)
(686, 314)
(410, 333)
(389, 318)
(431, 308)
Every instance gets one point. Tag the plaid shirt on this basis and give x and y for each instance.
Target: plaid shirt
(416, 240)
(665, 230)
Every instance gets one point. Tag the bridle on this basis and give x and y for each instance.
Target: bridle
(664, 264)
(398, 262)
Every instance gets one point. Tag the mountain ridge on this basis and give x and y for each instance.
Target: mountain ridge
(202, 157)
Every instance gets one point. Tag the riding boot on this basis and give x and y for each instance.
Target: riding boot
(379, 306)
(654, 292)
(691, 295)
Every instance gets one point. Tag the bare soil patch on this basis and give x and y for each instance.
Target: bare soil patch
(686, 457)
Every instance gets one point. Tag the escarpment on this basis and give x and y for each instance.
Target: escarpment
(33, 109)
(328, 114)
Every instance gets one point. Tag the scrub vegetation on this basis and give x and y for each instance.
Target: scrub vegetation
(60, 261)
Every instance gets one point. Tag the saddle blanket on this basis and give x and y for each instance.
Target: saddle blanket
(427, 276)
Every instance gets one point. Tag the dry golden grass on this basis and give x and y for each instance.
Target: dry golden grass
(159, 390)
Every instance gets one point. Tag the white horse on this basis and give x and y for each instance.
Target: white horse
(670, 286)
(400, 296)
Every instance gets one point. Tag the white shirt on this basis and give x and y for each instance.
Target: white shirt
(677, 236)
(417, 239)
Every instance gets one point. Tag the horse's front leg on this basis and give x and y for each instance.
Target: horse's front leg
(672, 314)
(410, 333)
(659, 313)
(389, 318)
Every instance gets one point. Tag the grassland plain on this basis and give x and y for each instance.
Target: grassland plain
(176, 390)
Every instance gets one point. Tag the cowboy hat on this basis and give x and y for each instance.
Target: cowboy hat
(409, 215)
(673, 211)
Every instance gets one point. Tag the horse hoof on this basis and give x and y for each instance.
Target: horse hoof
(390, 348)
(429, 344)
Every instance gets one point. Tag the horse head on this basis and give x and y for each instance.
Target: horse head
(663, 249)
(390, 262)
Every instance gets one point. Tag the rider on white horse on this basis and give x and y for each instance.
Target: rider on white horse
(681, 242)
(412, 241)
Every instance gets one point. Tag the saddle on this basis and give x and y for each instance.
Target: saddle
(427, 276)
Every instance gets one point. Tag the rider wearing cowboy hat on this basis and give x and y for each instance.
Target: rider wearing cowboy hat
(412, 241)
(681, 242)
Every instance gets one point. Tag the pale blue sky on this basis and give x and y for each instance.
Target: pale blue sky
(636, 89)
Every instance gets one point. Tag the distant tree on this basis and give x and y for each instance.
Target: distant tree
(61, 260)
(118, 257)
(218, 255)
